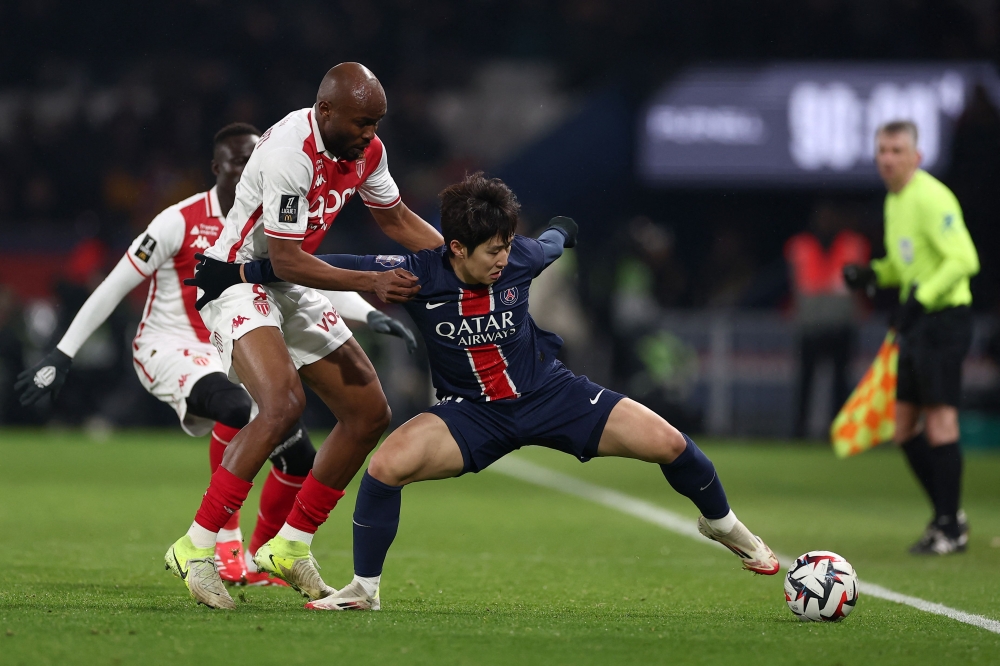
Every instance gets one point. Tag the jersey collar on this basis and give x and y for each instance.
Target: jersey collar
(214, 209)
(317, 137)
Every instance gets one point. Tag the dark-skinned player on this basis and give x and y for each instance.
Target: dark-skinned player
(273, 338)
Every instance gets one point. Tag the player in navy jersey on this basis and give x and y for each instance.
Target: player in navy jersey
(499, 383)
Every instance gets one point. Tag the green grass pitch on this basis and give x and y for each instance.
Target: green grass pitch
(487, 569)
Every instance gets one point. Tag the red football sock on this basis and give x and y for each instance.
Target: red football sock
(313, 504)
(224, 497)
(217, 443)
(276, 500)
(221, 436)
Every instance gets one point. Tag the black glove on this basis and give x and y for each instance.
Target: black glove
(861, 278)
(909, 313)
(45, 377)
(568, 226)
(383, 323)
(213, 277)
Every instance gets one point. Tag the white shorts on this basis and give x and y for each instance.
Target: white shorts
(310, 325)
(169, 367)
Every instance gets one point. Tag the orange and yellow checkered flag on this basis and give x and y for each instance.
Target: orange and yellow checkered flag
(868, 417)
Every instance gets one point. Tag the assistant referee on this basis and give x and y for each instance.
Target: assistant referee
(930, 257)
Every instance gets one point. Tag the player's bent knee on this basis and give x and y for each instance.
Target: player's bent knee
(369, 423)
(216, 398)
(280, 410)
(386, 468)
(670, 442)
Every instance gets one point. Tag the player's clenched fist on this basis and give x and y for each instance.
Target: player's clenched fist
(395, 286)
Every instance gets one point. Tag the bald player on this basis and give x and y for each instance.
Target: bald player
(302, 172)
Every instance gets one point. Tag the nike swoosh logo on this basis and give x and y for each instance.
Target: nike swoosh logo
(431, 306)
(710, 482)
(597, 397)
(184, 574)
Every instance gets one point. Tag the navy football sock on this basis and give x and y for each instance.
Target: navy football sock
(376, 519)
(693, 475)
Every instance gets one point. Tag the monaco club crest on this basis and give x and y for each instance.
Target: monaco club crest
(260, 300)
(359, 167)
(509, 296)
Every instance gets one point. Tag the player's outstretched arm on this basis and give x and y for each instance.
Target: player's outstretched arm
(292, 264)
(407, 228)
(48, 375)
(561, 233)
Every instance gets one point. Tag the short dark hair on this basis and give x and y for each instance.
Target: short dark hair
(898, 127)
(476, 210)
(234, 129)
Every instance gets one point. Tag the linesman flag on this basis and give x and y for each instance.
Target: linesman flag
(868, 417)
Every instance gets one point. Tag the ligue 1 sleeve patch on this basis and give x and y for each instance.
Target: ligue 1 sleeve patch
(145, 249)
(288, 212)
(389, 260)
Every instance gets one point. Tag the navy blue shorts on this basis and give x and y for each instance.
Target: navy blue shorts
(568, 414)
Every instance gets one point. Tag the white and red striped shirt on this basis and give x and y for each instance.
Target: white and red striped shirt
(165, 252)
(292, 188)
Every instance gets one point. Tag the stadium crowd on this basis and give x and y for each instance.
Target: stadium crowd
(98, 135)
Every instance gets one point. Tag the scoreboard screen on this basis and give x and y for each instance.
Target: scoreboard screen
(798, 124)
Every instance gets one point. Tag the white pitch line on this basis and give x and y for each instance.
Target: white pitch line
(547, 478)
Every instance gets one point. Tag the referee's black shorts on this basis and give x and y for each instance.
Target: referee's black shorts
(931, 355)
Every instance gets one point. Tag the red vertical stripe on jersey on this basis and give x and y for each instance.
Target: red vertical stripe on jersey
(475, 302)
(490, 368)
(246, 230)
(149, 308)
(184, 264)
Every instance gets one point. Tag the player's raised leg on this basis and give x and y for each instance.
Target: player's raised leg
(421, 449)
(347, 383)
(262, 362)
(634, 431)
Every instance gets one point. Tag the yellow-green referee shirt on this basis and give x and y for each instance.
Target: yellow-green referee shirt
(926, 243)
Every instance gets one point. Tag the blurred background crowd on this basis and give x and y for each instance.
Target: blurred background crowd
(717, 303)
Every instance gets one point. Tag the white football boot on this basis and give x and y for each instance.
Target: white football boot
(352, 597)
(756, 556)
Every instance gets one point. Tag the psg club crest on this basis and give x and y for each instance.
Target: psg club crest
(359, 167)
(389, 260)
(509, 296)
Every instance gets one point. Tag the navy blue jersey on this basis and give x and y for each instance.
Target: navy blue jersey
(481, 342)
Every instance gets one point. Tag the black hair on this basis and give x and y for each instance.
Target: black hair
(234, 129)
(477, 210)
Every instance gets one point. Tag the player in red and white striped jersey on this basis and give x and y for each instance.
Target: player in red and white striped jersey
(274, 337)
(171, 351)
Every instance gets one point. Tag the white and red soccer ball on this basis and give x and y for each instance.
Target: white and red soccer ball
(821, 587)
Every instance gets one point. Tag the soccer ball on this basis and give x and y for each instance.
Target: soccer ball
(821, 587)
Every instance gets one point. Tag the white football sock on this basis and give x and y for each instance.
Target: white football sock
(251, 565)
(370, 585)
(292, 534)
(723, 525)
(201, 537)
(230, 535)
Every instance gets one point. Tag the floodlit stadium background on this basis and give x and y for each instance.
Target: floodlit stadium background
(689, 140)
